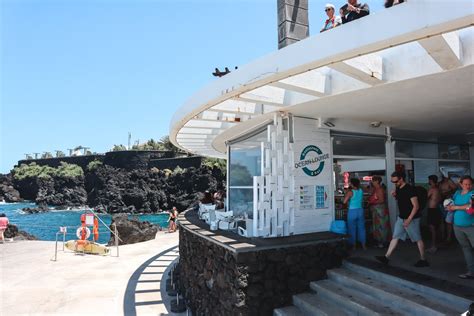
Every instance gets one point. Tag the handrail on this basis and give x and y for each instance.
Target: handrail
(96, 215)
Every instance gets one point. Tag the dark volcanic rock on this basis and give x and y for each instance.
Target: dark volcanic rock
(148, 191)
(119, 190)
(57, 191)
(42, 208)
(60, 191)
(7, 192)
(131, 231)
(13, 232)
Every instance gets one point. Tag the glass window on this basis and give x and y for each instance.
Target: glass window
(454, 170)
(405, 149)
(244, 164)
(241, 201)
(358, 146)
(455, 152)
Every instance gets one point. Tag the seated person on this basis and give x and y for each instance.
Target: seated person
(207, 199)
(333, 20)
(353, 10)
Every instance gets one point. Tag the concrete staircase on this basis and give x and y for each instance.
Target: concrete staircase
(358, 290)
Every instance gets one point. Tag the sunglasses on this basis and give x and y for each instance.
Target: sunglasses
(394, 181)
(329, 9)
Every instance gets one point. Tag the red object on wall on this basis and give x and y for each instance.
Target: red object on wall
(400, 168)
(346, 179)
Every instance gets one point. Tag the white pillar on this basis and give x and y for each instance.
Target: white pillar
(390, 167)
(471, 157)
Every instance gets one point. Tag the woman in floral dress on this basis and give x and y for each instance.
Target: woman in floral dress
(380, 217)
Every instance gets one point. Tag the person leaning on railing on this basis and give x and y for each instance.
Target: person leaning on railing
(333, 20)
(353, 10)
(389, 3)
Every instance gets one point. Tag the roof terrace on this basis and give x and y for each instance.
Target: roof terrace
(409, 67)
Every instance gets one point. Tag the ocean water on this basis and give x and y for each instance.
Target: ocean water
(45, 225)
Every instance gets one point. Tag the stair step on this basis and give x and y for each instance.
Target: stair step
(401, 298)
(434, 295)
(312, 304)
(287, 311)
(352, 301)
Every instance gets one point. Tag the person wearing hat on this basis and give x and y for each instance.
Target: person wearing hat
(333, 20)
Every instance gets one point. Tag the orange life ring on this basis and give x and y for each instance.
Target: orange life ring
(83, 233)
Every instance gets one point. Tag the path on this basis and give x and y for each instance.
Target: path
(81, 285)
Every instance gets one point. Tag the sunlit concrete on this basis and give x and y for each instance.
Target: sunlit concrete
(32, 284)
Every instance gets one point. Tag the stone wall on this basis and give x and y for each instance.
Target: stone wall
(134, 159)
(217, 280)
(126, 159)
(171, 163)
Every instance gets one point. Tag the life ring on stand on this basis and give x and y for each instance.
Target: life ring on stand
(83, 233)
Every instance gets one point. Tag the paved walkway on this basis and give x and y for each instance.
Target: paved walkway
(32, 284)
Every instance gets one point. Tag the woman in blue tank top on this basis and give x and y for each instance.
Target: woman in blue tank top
(355, 215)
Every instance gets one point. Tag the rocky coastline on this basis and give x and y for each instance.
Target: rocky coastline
(114, 190)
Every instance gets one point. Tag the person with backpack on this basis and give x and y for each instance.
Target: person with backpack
(408, 221)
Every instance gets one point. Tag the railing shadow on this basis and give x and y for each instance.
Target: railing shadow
(129, 302)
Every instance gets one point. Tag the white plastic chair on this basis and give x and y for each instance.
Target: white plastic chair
(204, 209)
(248, 230)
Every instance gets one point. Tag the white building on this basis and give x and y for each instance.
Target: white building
(392, 90)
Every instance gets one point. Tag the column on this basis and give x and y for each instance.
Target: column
(390, 167)
(292, 21)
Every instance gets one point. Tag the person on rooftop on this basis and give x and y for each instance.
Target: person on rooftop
(353, 10)
(333, 20)
(390, 3)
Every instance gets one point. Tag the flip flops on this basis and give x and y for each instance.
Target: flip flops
(466, 276)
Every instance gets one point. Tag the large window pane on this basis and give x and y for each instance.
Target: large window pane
(241, 201)
(358, 146)
(456, 152)
(404, 149)
(416, 150)
(244, 164)
(454, 170)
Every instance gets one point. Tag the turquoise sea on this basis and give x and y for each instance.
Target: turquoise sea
(45, 225)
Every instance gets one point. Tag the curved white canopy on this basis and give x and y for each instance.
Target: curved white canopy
(410, 67)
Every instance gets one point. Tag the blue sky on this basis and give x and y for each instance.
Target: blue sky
(88, 72)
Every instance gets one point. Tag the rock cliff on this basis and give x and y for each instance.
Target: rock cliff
(116, 190)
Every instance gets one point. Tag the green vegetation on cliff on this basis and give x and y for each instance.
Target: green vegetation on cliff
(93, 165)
(32, 170)
(163, 144)
(215, 163)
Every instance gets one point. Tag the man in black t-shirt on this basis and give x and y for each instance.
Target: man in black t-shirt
(353, 10)
(408, 221)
